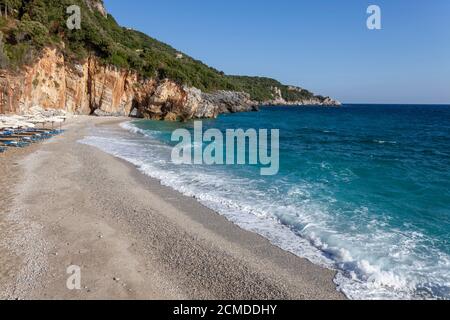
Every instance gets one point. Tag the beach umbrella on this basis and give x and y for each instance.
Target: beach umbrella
(4, 119)
(27, 125)
(15, 124)
(55, 120)
(38, 120)
(8, 125)
(4, 126)
(17, 118)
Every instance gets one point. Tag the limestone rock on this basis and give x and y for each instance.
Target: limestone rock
(97, 5)
(231, 101)
(278, 99)
(91, 87)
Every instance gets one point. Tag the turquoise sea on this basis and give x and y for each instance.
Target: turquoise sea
(362, 189)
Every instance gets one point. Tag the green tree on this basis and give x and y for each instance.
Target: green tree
(4, 61)
(40, 23)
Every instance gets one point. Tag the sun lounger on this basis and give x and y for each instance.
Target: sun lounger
(23, 137)
(19, 137)
(13, 143)
(47, 131)
(25, 134)
(6, 133)
(29, 136)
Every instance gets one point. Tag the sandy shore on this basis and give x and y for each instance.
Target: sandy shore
(64, 203)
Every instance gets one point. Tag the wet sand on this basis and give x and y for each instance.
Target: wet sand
(64, 203)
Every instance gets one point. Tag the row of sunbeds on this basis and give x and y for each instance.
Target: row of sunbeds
(20, 138)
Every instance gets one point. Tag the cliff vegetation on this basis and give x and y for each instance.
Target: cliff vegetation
(29, 26)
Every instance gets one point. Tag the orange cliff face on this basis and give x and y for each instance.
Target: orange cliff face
(93, 88)
(79, 89)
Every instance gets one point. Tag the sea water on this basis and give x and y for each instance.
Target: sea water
(362, 189)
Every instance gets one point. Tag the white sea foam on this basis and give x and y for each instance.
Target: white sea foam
(398, 266)
(385, 142)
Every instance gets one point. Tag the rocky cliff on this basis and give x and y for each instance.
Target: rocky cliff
(97, 5)
(94, 88)
(313, 100)
(120, 70)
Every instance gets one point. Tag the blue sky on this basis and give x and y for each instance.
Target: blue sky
(321, 45)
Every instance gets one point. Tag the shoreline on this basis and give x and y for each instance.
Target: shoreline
(133, 238)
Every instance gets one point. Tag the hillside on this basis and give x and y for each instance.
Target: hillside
(35, 24)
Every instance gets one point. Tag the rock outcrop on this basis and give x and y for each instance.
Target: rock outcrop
(325, 102)
(230, 101)
(93, 88)
(97, 5)
(172, 102)
(278, 99)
